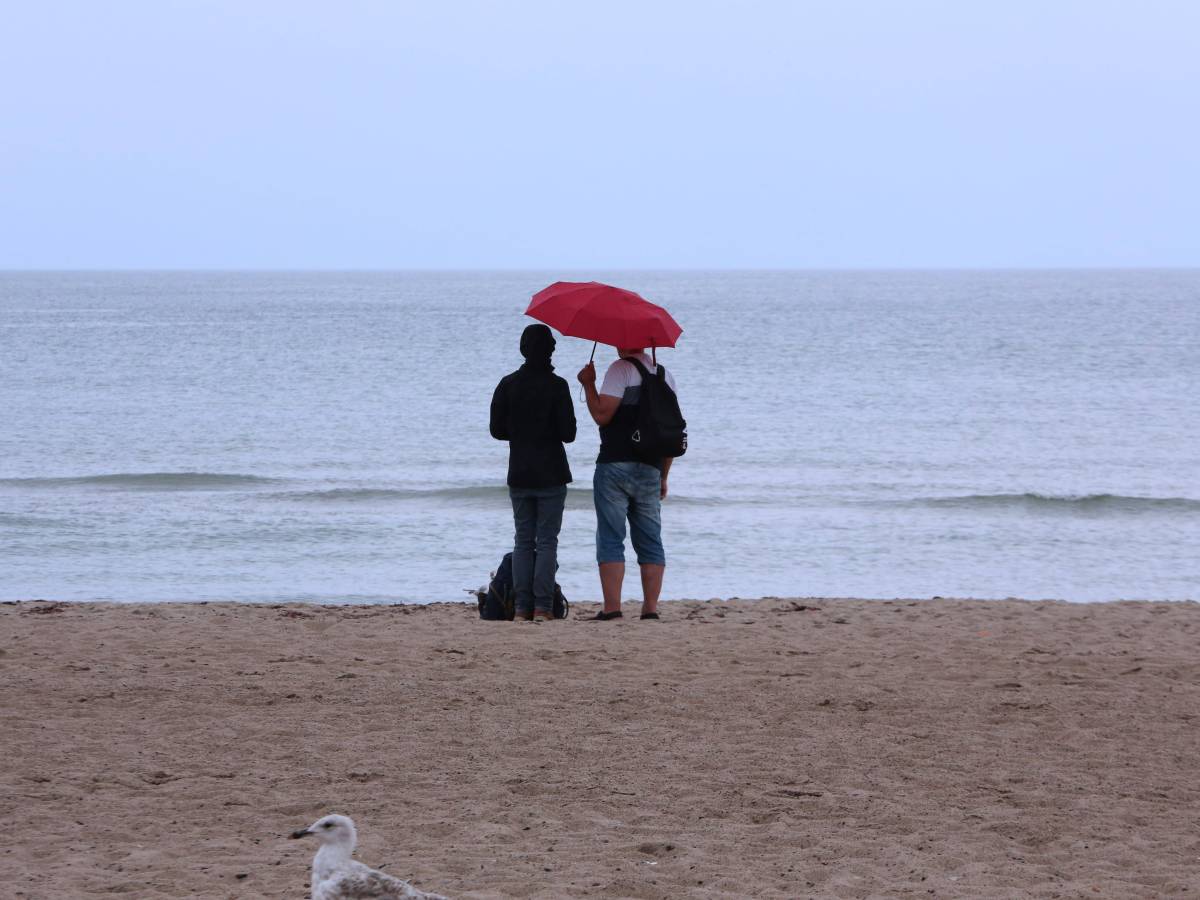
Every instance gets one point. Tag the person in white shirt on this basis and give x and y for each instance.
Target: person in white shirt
(625, 488)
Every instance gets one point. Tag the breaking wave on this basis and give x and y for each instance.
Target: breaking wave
(1086, 503)
(9, 520)
(145, 481)
(577, 497)
(368, 495)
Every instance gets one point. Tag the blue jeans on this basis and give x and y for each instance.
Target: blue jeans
(628, 490)
(537, 514)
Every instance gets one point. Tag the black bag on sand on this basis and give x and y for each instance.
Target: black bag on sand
(497, 602)
(661, 430)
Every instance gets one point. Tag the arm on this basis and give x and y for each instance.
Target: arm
(499, 419)
(601, 406)
(564, 414)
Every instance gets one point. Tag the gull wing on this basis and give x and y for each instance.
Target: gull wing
(372, 885)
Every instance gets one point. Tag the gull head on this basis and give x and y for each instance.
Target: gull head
(332, 829)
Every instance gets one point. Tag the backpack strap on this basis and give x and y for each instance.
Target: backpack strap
(640, 367)
(660, 374)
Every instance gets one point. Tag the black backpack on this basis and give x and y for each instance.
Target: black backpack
(661, 430)
(498, 602)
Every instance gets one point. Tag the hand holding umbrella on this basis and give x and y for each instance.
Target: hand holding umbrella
(587, 375)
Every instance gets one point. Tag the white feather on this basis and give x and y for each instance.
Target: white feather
(337, 876)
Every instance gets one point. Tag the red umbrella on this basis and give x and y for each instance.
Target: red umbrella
(603, 313)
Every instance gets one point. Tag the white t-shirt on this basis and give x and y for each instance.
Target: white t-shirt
(623, 374)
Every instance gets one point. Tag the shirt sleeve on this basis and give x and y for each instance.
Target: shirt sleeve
(564, 413)
(499, 413)
(616, 379)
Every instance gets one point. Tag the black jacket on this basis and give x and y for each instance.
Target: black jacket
(532, 410)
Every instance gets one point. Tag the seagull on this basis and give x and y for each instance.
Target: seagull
(336, 876)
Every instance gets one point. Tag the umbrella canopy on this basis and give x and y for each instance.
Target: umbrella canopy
(603, 313)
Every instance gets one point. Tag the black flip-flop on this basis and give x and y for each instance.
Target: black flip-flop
(649, 615)
(605, 616)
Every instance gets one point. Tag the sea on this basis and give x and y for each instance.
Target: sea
(323, 436)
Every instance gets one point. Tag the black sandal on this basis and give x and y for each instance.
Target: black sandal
(649, 615)
(605, 616)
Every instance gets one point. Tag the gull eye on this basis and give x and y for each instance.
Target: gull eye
(328, 824)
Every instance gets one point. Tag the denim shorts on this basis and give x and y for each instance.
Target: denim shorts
(628, 490)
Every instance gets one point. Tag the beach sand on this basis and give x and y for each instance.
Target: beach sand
(771, 748)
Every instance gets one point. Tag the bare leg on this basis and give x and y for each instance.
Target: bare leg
(652, 578)
(611, 576)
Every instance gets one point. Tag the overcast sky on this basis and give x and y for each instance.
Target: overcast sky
(747, 133)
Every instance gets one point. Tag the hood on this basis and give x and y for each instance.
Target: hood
(537, 344)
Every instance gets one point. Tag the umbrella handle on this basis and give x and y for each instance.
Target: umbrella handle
(590, 359)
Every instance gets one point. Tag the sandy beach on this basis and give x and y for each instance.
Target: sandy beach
(770, 748)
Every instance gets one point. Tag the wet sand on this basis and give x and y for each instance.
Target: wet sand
(772, 748)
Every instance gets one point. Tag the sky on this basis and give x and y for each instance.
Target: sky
(264, 134)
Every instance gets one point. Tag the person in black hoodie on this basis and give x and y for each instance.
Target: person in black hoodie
(532, 410)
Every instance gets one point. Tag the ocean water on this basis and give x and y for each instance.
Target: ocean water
(323, 437)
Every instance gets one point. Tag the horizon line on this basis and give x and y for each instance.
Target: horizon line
(539, 269)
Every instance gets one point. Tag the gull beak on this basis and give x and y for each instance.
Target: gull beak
(301, 833)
